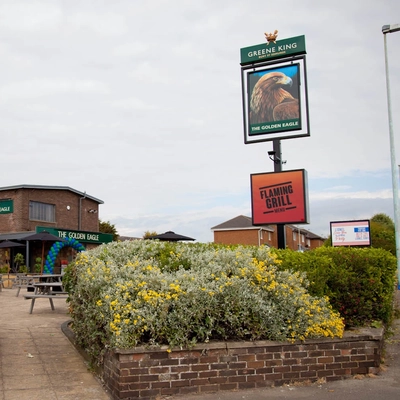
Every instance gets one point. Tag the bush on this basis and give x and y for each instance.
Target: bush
(127, 294)
(358, 281)
(4, 270)
(37, 268)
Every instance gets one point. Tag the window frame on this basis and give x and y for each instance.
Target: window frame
(40, 211)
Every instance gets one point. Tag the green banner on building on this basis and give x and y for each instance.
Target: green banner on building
(80, 236)
(6, 206)
(269, 51)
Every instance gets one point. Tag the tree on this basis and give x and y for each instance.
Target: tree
(107, 227)
(384, 220)
(383, 233)
(147, 234)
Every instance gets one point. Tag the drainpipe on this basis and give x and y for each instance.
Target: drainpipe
(80, 211)
(299, 245)
(26, 256)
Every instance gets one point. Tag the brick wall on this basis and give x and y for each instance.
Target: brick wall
(300, 239)
(245, 237)
(18, 221)
(147, 374)
(251, 237)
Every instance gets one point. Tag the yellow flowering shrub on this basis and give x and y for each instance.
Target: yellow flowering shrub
(126, 294)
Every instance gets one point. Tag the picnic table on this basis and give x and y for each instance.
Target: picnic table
(27, 281)
(49, 277)
(23, 281)
(46, 290)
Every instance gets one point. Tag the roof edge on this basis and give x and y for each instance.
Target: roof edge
(44, 187)
(248, 228)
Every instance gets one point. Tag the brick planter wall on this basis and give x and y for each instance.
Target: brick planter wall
(147, 373)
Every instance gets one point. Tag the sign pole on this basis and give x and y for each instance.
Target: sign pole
(278, 168)
(275, 107)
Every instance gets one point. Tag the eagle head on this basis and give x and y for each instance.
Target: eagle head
(267, 93)
(273, 81)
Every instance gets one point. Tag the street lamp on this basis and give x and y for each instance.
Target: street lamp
(395, 173)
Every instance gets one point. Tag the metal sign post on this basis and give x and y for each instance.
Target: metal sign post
(278, 168)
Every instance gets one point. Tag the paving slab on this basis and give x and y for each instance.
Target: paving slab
(37, 361)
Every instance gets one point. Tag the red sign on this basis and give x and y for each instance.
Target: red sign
(279, 198)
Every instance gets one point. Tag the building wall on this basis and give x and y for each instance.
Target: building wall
(316, 243)
(251, 237)
(18, 221)
(291, 242)
(246, 237)
(67, 216)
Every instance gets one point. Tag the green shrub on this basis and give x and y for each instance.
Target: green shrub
(126, 294)
(23, 269)
(316, 266)
(358, 281)
(37, 268)
(19, 262)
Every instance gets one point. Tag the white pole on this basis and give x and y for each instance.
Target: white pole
(395, 171)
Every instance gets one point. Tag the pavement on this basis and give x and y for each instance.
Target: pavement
(38, 361)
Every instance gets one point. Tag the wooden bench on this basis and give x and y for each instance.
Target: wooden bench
(51, 297)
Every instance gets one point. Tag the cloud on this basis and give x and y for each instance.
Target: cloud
(102, 24)
(132, 104)
(141, 106)
(131, 49)
(325, 211)
(383, 194)
(29, 16)
(49, 87)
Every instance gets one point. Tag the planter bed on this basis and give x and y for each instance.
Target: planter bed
(146, 373)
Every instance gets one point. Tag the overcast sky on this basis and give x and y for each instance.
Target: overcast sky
(138, 103)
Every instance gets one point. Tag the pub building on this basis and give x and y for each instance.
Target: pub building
(60, 210)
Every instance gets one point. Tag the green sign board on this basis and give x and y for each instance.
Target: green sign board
(269, 51)
(6, 206)
(80, 236)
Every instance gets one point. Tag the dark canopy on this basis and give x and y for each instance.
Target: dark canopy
(7, 244)
(170, 236)
(44, 237)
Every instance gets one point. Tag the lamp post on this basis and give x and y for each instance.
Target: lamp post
(395, 173)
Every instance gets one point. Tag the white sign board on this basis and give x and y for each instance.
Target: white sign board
(350, 233)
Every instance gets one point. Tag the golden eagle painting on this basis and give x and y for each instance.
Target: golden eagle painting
(273, 98)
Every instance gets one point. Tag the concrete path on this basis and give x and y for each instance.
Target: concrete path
(37, 361)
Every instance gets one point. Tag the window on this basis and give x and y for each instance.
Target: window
(269, 236)
(42, 211)
(294, 236)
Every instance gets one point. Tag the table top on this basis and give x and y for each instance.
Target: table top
(49, 277)
(47, 288)
(47, 284)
